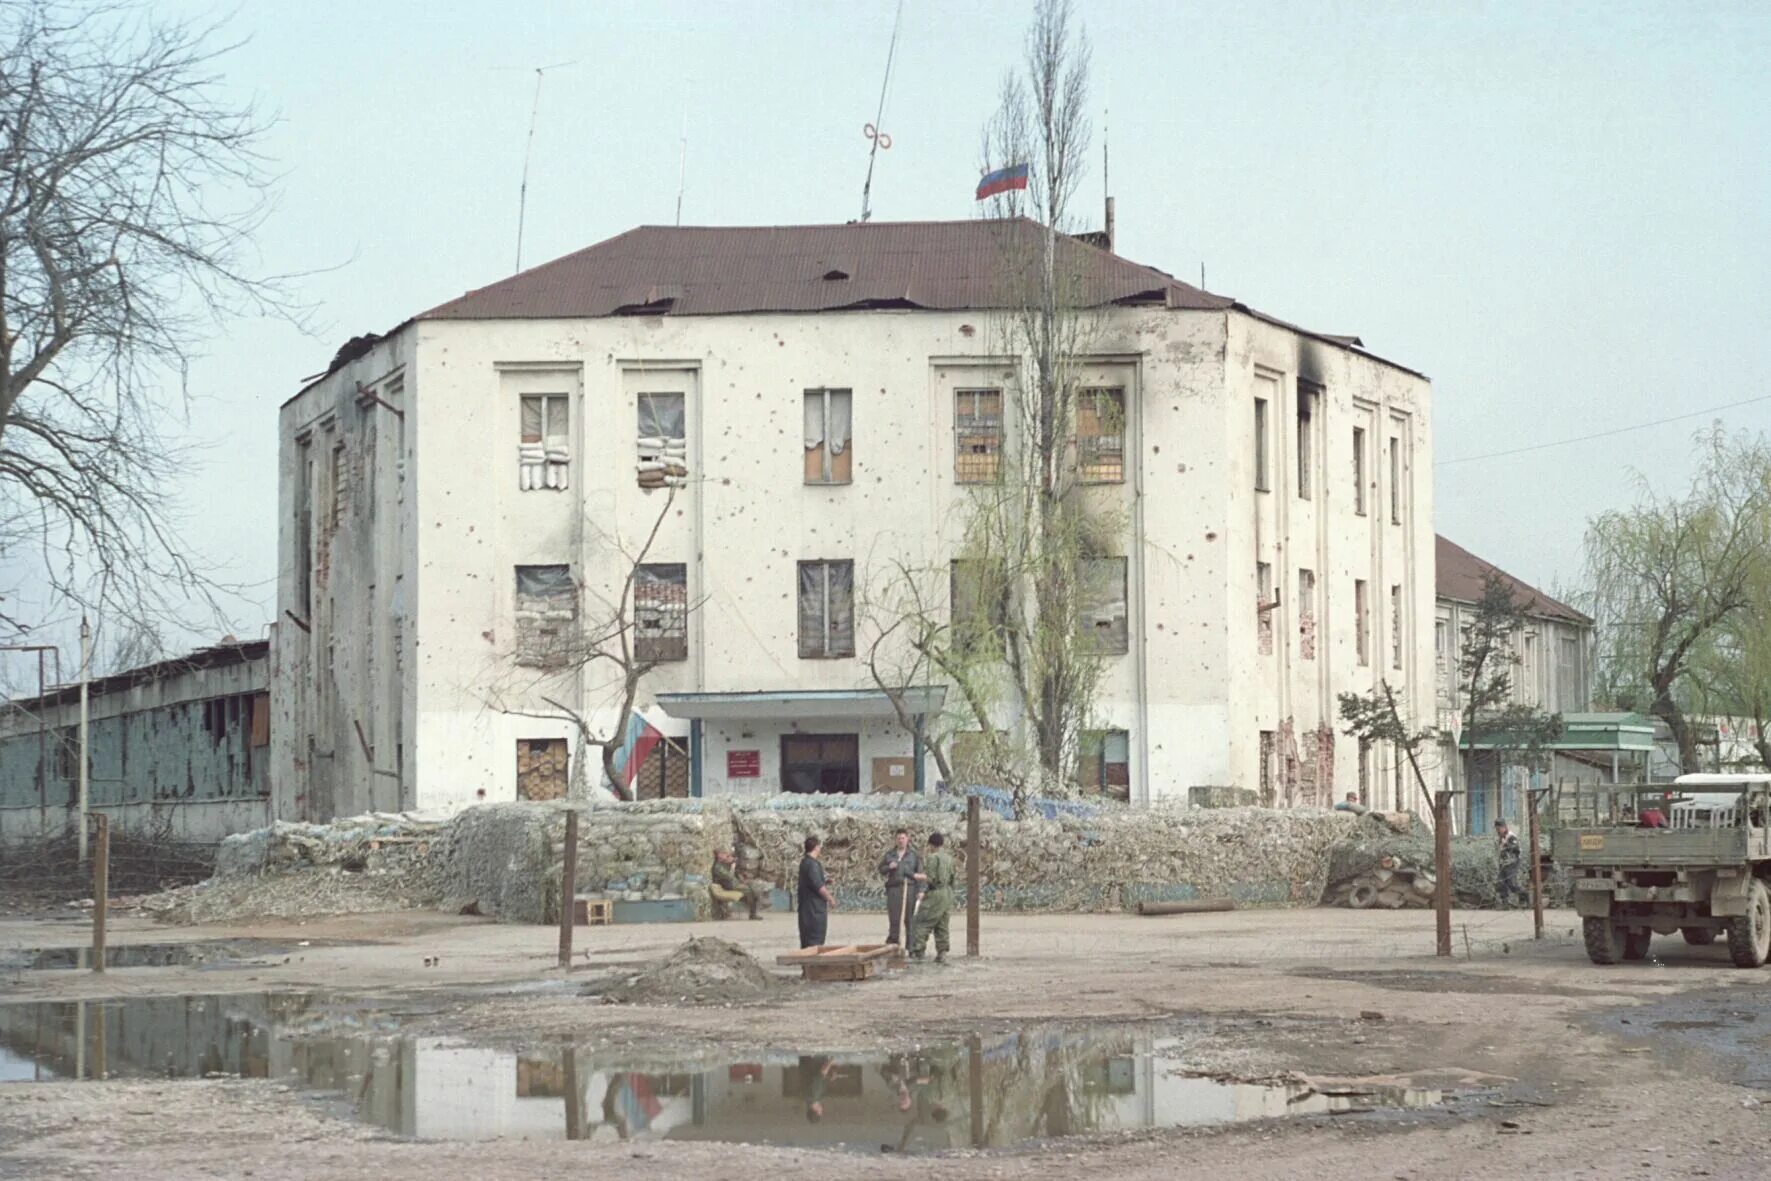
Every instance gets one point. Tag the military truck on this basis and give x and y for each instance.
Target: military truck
(1693, 856)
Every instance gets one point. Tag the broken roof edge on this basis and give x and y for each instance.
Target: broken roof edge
(1347, 344)
(222, 655)
(314, 381)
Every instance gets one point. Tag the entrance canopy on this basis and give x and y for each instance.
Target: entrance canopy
(1624, 732)
(802, 704)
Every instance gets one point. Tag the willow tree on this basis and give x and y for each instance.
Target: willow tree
(1671, 574)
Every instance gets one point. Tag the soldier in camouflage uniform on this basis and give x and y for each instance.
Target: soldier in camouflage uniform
(938, 877)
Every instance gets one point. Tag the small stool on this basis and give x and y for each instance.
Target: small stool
(594, 912)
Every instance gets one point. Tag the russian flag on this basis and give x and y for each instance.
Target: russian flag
(636, 746)
(1002, 180)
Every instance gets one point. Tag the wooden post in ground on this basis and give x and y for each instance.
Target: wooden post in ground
(101, 887)
(975, 1100)
(1442, 868)
(974, 864)
(574, 1096)
(569, 888)
(1532, 798)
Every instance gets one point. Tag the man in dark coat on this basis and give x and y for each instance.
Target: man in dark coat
(814, 899)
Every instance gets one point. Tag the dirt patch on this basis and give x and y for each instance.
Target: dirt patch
(1406, 981)
(703, 971)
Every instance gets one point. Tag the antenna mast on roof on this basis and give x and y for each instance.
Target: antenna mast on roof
(682, 164)
(873, 130)
(1107, 181)
(528, 151)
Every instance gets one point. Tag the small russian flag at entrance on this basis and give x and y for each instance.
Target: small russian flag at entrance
(1002, 180)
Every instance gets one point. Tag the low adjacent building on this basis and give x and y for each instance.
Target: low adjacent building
(179, 749)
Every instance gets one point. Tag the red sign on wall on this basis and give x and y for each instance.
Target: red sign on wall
(744, 764)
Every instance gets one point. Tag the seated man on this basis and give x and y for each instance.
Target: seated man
(726, 889)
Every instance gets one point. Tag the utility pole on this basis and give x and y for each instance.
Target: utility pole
(1533, 797)
(1442, 869)
(85, 729)
(974, 866)
(569, 888)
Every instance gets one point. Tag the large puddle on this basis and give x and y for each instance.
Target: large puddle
(211, 953)
(994, 1091)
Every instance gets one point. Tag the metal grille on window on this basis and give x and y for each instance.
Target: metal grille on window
(1103, 614)
(1100, 436)
(544, 456)
(661, 612)
(663, 448)
(829, 421)
(826, 609)
(977, 436)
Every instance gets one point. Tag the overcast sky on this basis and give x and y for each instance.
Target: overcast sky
(1558, 212)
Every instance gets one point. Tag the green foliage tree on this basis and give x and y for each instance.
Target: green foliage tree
(1510, 732)
(1379, 716)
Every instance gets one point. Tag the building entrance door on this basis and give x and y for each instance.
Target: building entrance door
(827, 763)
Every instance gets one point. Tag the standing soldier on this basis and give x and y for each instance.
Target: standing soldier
(938, 876)
(1510, 856)
(901, 867)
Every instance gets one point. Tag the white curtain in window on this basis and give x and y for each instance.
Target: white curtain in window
(841, 416)
(814, 419)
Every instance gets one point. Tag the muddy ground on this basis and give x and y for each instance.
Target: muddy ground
(1557, 1068)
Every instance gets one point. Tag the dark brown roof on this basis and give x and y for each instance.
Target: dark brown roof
(1461, 574)
(722, 270)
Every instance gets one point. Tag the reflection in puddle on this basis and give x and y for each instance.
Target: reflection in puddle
(214, 952)
(981, 1092)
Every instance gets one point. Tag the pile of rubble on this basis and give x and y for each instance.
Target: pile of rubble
(1391, 884)
(701, 971)
(1379, 867)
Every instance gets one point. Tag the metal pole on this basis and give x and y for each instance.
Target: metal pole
(569, 888)
(1532, 798)
(101, 889)
(1442, 869)
(85, 721)
(42, 743)
(974, 861)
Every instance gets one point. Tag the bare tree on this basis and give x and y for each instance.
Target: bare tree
(594, 667)
(130, 191)
(1669, 573)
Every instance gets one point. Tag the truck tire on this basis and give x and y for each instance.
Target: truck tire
(1749, 935)
(1604, 940)
(1698, 936)
(1362, 896)
(1635, 944)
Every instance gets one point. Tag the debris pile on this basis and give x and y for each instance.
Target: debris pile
(1391, 884)
(1378, 867)
(701, 971)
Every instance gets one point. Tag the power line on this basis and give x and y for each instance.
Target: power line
(1640, 426)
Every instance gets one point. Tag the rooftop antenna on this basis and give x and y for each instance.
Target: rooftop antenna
(682, 164)
(872, 130)
(1106, 180)
(529, 150)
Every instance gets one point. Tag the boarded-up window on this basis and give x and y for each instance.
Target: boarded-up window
(1362, 620)
(1105, 763)
(826, 609)
(663, 447)
(1100, 436)
(829, 427)
(1102, 608)
(977, 436)
(1264, 606)
(341, 484)
(541, 768)
(261, 719)
(665, 773)
(661, 612)
(546, 615)
(544, 455)
(1268, 751)
(1397, 631)
(1306, 615)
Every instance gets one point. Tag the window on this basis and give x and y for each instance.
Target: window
(1395, 480)
(1362, 620)
(1100, 436)
(1104, 763)
(1443, 660)
(544, 454)
(1570, 685)
(1365, 771)
(665, 773)
(304, 528)
(340, 484)
(1359, 470)
(827, 763)
(663, 449)
(1525, 687)
(1260, 445)
(826, 610)
(1264, 605)
(829, 424)
(546, 609)
(1306, 614)
(541, 768)
(1102, 599)
(1306, 432)
(1269, 744)
(978, 600)
(977, 436)
(1396, 628)
(661, 612)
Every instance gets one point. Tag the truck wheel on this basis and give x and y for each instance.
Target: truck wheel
(1749, 935)
(1604, 941)
(1698, 936)
(1635, 944)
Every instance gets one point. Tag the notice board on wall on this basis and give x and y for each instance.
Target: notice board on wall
(744, 764)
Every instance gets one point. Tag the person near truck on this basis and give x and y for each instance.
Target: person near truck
(1507, 848)
(814, 899)
(938, 877)
(900, 867)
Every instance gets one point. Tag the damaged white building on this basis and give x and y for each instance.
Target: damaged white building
(464, 495)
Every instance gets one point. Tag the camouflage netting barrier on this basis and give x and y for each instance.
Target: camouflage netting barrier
(1379, 867)
(505, 860)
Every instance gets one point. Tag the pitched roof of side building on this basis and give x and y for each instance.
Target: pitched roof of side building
(1460, 577)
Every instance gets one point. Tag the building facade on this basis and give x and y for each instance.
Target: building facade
(781, 418)
(179, 749)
